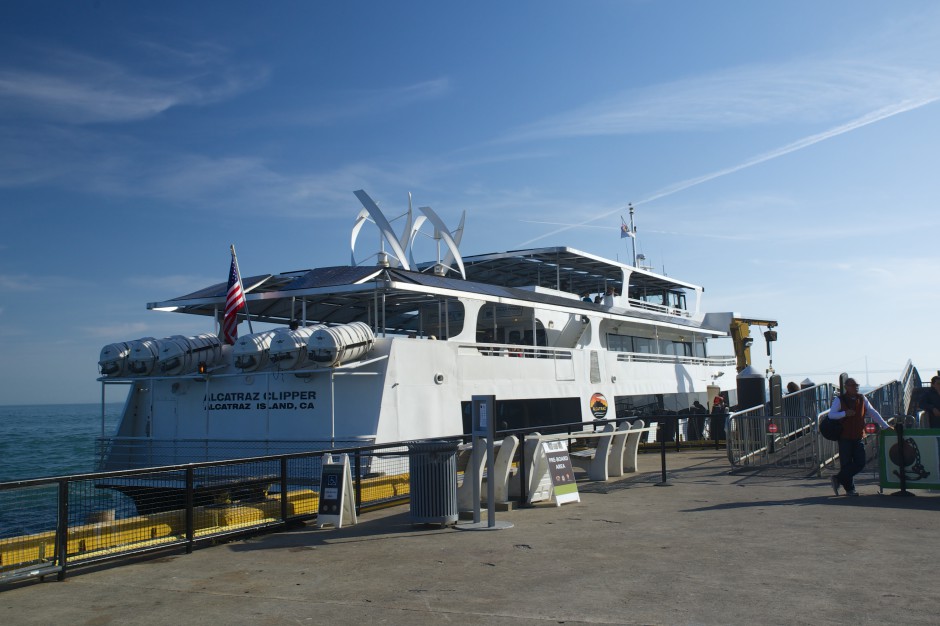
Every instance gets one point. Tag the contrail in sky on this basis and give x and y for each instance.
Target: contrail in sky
(870, 118)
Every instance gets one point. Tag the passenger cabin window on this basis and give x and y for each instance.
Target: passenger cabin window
(442, 319)
(646, 345)
(509, 324)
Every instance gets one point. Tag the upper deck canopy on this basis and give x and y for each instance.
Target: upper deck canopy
(346, 294)
(564, 269)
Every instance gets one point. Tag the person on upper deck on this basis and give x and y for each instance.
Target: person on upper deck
(930, 404)
(852, 408)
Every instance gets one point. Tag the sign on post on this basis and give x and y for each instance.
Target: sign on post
(336, 493)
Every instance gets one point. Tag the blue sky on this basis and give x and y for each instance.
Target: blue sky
(782, 154)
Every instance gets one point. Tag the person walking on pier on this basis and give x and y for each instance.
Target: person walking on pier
(852, 408)
(930, 404)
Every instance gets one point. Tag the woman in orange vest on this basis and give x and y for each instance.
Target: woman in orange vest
(852, 408)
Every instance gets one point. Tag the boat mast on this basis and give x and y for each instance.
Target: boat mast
(632, 235)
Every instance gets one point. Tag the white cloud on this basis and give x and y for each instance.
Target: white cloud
(18, 282)
(809, 92)
(69, 87)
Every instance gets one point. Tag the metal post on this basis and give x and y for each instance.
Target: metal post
(190, 513)
(332, 409)
(358, 464)
(284, 511)
(523, 484)
(662, 454)
(62, 529)
(902, 474)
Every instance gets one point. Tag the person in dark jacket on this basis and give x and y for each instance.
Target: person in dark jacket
(930, 404)
(852, 408)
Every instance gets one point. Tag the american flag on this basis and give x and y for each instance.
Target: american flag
(234, 302)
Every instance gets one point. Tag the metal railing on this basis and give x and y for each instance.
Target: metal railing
(762, 441)
(48, 525)
(119, 453)
(645, 357)
(756, 439)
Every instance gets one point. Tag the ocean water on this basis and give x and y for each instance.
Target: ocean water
(51, 440)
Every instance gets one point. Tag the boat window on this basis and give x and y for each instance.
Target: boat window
(539, 336)
(620, 343)
(679, 348)
(509, 324)
(441, 318)
(698, 349)
(677, 299)
(644, 345)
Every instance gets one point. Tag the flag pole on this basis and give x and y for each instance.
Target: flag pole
(632, 235)
(242, 285)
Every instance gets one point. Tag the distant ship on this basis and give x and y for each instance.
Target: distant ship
(394, 350)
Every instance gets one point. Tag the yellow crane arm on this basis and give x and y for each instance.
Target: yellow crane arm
(741, 336)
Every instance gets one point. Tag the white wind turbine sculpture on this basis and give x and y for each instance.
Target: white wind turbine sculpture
(398, 257)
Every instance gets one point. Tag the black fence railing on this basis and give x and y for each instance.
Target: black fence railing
(49, 525)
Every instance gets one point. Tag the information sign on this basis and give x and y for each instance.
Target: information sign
(336, 493)
(561, 472)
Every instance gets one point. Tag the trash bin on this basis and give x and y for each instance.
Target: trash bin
(433, 482)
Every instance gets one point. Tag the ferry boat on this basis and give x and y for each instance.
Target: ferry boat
(393, 350)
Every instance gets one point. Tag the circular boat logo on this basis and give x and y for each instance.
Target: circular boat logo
(598, 405)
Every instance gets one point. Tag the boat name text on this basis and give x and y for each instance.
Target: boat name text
(259, 400)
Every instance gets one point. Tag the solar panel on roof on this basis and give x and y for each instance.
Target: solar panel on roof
(218, 290)
(332, 277)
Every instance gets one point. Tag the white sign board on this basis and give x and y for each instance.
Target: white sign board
(336, 493)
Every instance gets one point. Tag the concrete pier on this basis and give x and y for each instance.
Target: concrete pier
(712, 548)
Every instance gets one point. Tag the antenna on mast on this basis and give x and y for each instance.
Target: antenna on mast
(629, 231)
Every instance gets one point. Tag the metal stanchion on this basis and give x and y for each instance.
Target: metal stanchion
(899, 429)
(662, 454)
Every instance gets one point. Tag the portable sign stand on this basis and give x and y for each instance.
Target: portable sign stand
(484, 429)
(909, 458)
(561, 472)
(336, 491)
